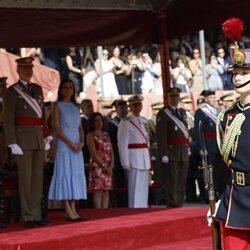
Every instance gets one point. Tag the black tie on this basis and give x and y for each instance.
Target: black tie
(29, 89)
(177, 112)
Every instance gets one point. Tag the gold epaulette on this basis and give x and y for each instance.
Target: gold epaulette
(230, 140)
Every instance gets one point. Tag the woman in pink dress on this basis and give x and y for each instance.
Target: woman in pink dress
(101, 162)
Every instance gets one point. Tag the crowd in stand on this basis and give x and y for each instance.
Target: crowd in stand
(137, 69)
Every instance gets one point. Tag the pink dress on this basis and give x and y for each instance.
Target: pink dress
(99, 178)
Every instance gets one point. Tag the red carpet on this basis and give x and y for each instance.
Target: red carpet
(170, 229)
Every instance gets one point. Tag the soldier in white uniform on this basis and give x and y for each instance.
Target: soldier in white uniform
(133, 145)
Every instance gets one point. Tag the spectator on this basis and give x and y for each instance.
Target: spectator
(225, 63)
(76, 72)
(148, 74)
(90, 73)
(182, 76)
(213, 72)
(119, 71)
(108, 89)
(195, 66)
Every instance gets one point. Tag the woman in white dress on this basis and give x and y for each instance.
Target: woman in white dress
(109, 85)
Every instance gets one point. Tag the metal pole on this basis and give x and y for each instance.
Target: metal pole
(203, 57)
(133, 78)
(99, 53)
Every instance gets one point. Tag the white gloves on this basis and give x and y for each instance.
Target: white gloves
(209, 216)
(15, 149)
(165, 159)
(153, 158)
(47, 142)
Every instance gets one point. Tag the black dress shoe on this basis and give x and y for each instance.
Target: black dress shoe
(42, 223)
(30, 224)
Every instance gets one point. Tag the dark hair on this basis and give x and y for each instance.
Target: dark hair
(91, 121)
(85, 103)
(60, 97)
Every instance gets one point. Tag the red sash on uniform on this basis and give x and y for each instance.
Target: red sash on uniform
(209, 135)
(178, 141)
(137, 145)
(33, 121)
(28, 121)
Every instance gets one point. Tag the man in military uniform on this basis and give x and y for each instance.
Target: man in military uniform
(173, 145)
(207, 115)
(119, 177)
(24, 131)
(133, 146)
(193, 172)
(233, 208)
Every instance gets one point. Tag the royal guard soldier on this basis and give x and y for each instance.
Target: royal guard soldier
(27, 138)
(234, 144)
(173, 145)
(119, 176)
(133, 146)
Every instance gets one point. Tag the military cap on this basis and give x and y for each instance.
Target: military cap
(228, 97)
(200, 101)
(135, 99)
(173, 91)
(118, 103)
(106, 104)
(3, 81)
(207, 93)
(186, 99)
(25, 61)
(157, 105)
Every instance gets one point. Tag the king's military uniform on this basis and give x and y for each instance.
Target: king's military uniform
(23, 126)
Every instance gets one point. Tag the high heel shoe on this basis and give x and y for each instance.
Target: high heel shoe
(70, 219)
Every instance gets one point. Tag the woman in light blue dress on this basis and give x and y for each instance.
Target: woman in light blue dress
(68, 182)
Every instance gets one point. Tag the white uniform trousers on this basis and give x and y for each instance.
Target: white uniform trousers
(138, 185)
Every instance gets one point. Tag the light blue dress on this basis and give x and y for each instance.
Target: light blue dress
(68, 181)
